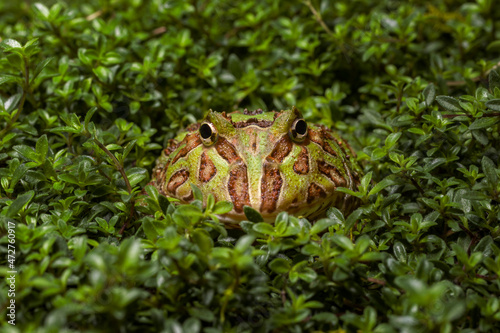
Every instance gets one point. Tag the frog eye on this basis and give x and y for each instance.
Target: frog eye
(298, 131)
(208, 134)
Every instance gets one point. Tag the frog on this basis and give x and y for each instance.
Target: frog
(271, 161)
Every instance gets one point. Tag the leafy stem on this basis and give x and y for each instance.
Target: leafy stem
(492, 114)
(117, 164)
(317, 16)
(26, 89)
(319, 19)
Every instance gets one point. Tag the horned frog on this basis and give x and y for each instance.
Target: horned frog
(271, 161)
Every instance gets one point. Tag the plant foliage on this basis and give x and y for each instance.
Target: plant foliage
(90, 91)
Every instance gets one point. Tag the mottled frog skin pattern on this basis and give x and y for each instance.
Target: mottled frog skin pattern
(270, 161)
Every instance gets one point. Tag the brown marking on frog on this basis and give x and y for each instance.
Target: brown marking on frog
(253, 121)
(252, 112)
(189, 197)
(301, 165)
(194, 127)
(207, 168)
(270, 188)
(332, 173)
(315, 192)
(160, 175)
(317, 137)
(158, 179)
(224, 114)
(281, 150)
(355, 178)
(192, 141)
(177, 179)
(326, 132)
(172, 146)
(238, 187)
(253, 143)
(295, 202)
(353, 153)
(226, 150)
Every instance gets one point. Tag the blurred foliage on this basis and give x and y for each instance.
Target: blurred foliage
(91, 90)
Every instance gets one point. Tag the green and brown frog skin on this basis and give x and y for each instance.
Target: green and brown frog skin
(270, 161)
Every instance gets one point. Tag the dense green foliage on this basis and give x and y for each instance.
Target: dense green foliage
(90, 91)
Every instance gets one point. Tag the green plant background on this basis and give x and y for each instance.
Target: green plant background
(90, 91)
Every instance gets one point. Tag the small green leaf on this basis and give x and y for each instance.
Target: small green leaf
(128, 148)
(485, 122)
(493, 46)
(493, 104)
(244, 243)
(113, 146)
(41, 10)
(391, 139)
(343, 242)
(203, 240)
(326, 317)
(378, 153)
(103, 73)
(321, 225)
(129, 254)
(150, 230)
(42, 147)
(365, 181)
(494, 80)
(381, 185)
(489, 170)
(280, 266)
(201, 313)
(152, 192)
(434, 163)
(164, 203)
(264, 228)
(210, 202)
(79, 245)
(222, 207)
(26, 152)
(480, 136)
(197, 194)
(372, 256)
(88, 116)
(67, 177)
(449, 103)
(411, 284)
(7, 78)
(136, 175)
(234, 65)
(335, 214)
(18, 174)
(21, 201)
(252, 215)
(40, 66)
(190, 211)
(460, 253)
(353, 217)
(8, 44)
(400, 251)
(429, 94)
